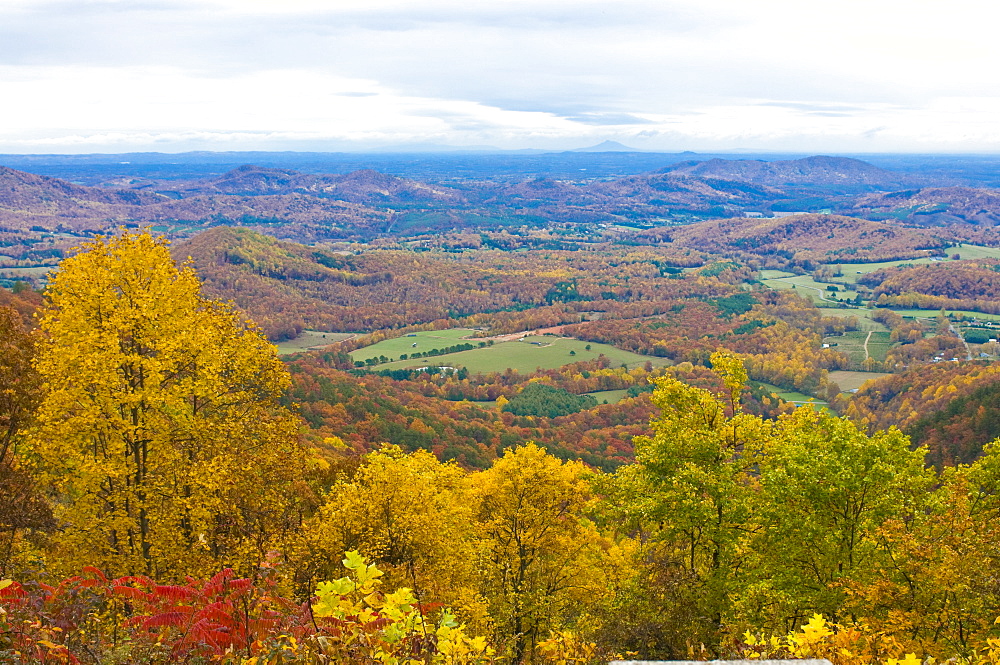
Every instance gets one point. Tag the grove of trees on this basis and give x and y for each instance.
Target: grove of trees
(171, 506)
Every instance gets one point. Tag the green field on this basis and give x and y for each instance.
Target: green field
(310, 339)
(609, 396)
(854, 270)
(424, 340)
(863, 314)
(806, 287)
(795, 397)
(932, 313)
(525, 356)
(851, 271)
(773, 274)
(974, 252)
(852, 344)
(879, 345)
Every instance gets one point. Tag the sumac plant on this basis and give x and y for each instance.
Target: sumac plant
(90, 618)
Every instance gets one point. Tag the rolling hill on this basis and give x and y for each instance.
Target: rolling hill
(804, 238)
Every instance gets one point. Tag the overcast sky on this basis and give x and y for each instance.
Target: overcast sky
(797, 75)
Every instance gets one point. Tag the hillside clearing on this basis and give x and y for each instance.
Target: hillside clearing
(525, 355)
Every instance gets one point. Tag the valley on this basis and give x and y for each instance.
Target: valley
(667, 351)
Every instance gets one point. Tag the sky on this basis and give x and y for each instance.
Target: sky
(851, 76)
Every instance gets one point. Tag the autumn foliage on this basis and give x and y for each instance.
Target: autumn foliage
(204, 499)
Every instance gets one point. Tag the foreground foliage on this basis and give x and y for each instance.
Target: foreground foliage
(189, 523)
(227, 619)
(160, 424)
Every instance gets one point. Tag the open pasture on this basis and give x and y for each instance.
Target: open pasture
(864, 316)
(422, 341)
(932, 313)
(527, 355)
(773, 274)
(852, 271)
(851, 344)
(805, 285)
(859, 344)
(967, 252)
(310, 339)
(795, 397)
(879, 345)
(609, 396)
(851, 380)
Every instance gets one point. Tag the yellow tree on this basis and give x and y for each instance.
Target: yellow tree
(406, 512)
(160, 428)
(539, 560)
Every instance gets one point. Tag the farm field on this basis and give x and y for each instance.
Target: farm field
(879, 345)
(795, 397)
(851, 271)
(773, 274)
(609, 396)
(852, 344)
(975, 252)
(36, 273)
(310, 339)
(526, 356)
(851, 380)
(932, 313)
(863, 314)
(424, 340)
(804, 284)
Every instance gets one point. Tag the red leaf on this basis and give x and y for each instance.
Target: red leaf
(166, 619)
(134, 579)
(240, 584)
(95, 572)
(219, 612)
(131, 593)
(173, 592)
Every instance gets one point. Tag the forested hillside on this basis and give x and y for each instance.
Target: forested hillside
(41, 217)
(688, 413)
(175, 493)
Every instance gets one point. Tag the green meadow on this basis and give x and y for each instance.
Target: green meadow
(526, 355)
(794, 397)
(806, 287)
(310, 339)
(609, 396)
(854, 270)
(863, 314)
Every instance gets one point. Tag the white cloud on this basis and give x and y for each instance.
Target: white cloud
(670, 74)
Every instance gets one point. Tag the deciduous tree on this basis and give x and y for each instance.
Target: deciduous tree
(160, 427)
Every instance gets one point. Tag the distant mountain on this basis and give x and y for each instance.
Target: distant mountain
(362, 186)
(839, 172)
(934, 206)
(606, 146)
(39, 203)
(43, 195)
(803, 239)
(681, 189)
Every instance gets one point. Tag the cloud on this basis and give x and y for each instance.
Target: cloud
(519, 73)
(609, 119)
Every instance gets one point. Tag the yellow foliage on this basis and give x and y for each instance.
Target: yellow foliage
(160, 428)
